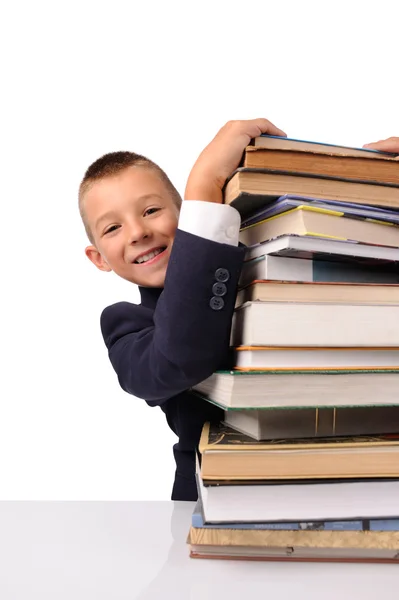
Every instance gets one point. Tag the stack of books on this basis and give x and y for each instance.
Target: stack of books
(305, 465)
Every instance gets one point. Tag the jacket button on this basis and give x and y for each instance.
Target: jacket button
(219, 289)
(216, 303)
(222, 275)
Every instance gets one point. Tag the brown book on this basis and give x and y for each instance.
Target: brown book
(313, 221)
(249, 190)
(284, 143)
(231, 455)
(367, 546)
(331, 292)
(313, 163)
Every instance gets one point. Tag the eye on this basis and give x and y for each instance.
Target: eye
(110, 229)
(151, 211)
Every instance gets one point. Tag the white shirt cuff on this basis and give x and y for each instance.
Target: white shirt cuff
(216, 222)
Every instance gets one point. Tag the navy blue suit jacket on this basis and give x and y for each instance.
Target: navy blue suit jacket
(178, 336)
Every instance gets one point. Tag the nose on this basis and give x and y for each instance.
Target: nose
(137, 232)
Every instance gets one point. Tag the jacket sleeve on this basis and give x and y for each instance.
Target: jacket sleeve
(159, 354)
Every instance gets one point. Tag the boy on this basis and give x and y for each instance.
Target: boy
(187, 267)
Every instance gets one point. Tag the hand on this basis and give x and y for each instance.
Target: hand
(389, 145)
(222, 156)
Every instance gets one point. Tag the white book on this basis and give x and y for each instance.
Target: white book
(282, 268)
(258, 358)
(271, 424)
(296, 246)
(238, 389)
(312, 324)
(299, 502)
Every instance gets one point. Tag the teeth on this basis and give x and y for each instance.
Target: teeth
(149, 256)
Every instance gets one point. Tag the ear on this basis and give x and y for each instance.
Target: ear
(97, 259)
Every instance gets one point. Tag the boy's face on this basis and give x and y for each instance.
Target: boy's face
(133, 220)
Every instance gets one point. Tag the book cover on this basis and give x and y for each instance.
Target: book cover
(265, 140)
(221, 437)
(249, 190)
(348, 209)
(319, 249)
(197, 521)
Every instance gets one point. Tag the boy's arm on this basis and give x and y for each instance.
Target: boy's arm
(159, 354)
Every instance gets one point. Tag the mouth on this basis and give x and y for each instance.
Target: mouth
(151, 256)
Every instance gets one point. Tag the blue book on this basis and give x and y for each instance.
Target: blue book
(197, 521)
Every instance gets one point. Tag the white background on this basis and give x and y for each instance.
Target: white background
(158, 78)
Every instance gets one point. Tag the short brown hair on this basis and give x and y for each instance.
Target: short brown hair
(112, 164)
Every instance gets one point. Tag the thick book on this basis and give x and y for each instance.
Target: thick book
(266, 358)
(323, 249)
(274, 142)
(233, 456)
(263, 290)
(269, 424)
(315, 324)
(354, 500)
(319, 222)
(317, 546)
(279, 538)
(371, 166)
(197, 521)
(345, 269)
(300, 389)
(249, 190)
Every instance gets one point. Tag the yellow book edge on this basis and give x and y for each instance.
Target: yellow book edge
(325, 211)
(362, 441)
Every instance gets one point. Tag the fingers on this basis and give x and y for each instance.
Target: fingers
(389, 145)
(253, 128)
(266, 126)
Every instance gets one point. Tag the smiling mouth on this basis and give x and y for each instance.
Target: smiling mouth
(145, 258)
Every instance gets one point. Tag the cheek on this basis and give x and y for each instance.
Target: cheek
(171, 226)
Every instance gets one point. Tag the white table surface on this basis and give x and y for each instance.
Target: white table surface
(137, 550)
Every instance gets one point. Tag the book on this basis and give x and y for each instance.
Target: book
(197, 521)
(249, 190)
(348, 209)
(355, 270)
(374, 167)
(300, 389)
(315, 324)
(257, 538)
(345, 546)
(266, 358)
(290, 554)
(301, 502)
(318, 222)
(269, 358)
(274, 142)
(323, 249)
(230, 455)
(262, 290)
(269, 424)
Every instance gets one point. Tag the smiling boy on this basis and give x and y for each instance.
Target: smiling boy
(184, 256)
